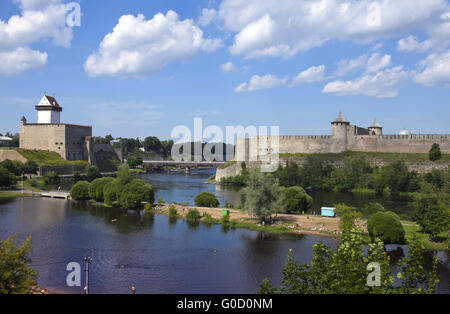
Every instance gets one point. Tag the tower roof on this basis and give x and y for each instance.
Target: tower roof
(375, 124)
(48, 103)
(340, 119)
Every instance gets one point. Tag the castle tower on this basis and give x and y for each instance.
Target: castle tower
(49, 111)
(376, 128)
(339, 129)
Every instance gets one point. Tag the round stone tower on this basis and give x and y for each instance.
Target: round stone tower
(376, 128)
(339, 130)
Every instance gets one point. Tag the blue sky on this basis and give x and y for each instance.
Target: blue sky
(289, 63)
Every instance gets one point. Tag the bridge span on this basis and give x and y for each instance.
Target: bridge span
(187, 165)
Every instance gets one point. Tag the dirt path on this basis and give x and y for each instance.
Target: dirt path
(306, 224)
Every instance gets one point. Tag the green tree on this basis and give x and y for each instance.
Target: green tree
(111, 192)
(92, 173)
(397, 176)
(30, 167)
(51, 178)
(387, 227)
(354, 173)
(134, 161)
(435, 152)
(348, 217)
(431, 215)
(193, 215)
(296, 200)
(135, 193)
(206, 199)
(124, 175)
(372, 208)
(13, 166)
(153, 144)
(7, 178)
(263, 195)
(80, 191)
(97, 187)
(315, 173)
(16, 277)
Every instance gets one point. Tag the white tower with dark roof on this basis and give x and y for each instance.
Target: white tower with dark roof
(49, 111)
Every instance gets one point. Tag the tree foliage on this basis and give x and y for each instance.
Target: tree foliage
(16, 277)
(135, 193)
(348, 217)
(96, 188)
(263, 195)
(206, 199)
(80, 191)
(345, 270)
(431, 215)
(435, 152)
(387, 227)
(7, 178)
(296, 200)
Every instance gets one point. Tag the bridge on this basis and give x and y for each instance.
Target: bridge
(55, 194)
(187, 165)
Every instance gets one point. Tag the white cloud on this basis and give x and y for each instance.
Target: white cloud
(266, 28)
(39, 20)
(208, 15)
(21, 60)
(370, 64)
(261, 82)
(138, 47)
(384, 84)
(435, 70)
(228, 67)
(313, 74)
(411, 44)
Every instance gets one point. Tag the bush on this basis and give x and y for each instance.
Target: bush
(30, 167)
(92, 173)
(387, 227)
(173, 212)
(134, 161)
(111, 192)
(161, 200)
(7, 178)
(51, 178)
(13, 166)
(228, 205)
(97, 187)
(207, 218)
(80, 191)
(206, 199)
(432, 216)
(296, 200)
(372, 208)
(135, 193)
(193, 215)
(435, 152)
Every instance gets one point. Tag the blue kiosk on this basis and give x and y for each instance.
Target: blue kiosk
(328, 211)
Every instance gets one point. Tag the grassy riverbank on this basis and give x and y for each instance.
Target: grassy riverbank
(10, 194)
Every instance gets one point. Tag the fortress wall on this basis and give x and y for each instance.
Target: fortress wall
(44, 137)
(75, 144)
(399, 143)
(304, 144)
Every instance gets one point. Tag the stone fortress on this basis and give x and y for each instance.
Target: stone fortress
(344, 137)
(70, 141)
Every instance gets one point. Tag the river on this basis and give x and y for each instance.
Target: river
(154, 253)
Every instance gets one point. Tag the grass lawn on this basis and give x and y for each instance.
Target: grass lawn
(411, 227)
(12, 195)
(44, 158)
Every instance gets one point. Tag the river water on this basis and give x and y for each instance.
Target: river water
(154, 253)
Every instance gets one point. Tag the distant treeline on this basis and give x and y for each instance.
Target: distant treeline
(13, 143)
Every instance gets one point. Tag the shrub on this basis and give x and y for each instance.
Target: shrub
(30, 167)
(225, 220)
(161, 200)
(148, 208)
(7, 178)
(386, 226)
(80, 191)
(92, 173)
(432, 216)
(173, 212)
(134, 193)
(435, 152)
(77, 176)
(296, 200)
(13, 166)
(372, 208)
(134, 161)
(206, 199)
(97, 187)
(228, 205)
(207, 218)
(111, 192)
(193, 215)
(51, 178)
